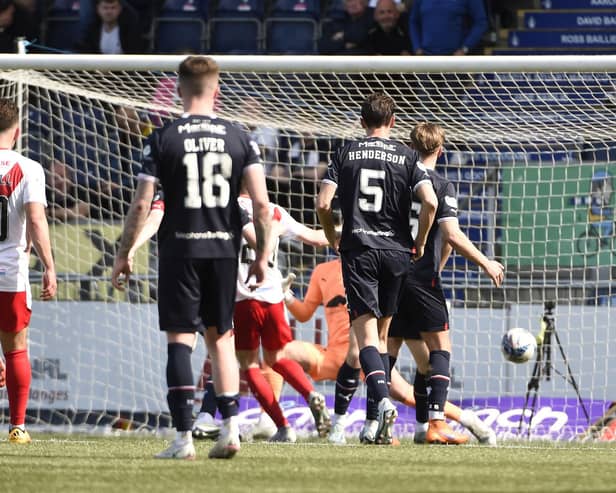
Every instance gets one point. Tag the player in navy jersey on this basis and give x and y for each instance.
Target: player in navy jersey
(422, 319)
(375, 178)
(199, 160)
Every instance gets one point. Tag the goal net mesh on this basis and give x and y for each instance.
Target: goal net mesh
(531, 155)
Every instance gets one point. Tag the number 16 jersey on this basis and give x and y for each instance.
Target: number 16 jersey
(375, 178)
(199, 161)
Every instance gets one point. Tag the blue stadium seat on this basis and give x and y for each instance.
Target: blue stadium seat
(237, 35)
(178, 35)
(291, 35)
(61, 32)
(296, 8)
(184, 8)
(64, 7)
(240, 8)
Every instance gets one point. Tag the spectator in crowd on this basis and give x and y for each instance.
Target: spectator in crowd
(15, 22)
(388, 36)
(447, 27)
(346, 37)
(142, 9)
(114, 31)
(66, 201)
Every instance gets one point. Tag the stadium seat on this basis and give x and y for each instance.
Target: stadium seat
(184, 8)
(61, 32)
(291, 35)
(179, 35)
(296, 8)
(240, 8)
(64, 7)
(238, 35)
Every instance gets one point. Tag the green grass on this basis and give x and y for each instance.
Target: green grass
(125, 464)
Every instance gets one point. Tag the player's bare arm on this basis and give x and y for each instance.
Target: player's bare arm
(313, 237)
(150, 227)
(38, 232)
(445, 253)
(326, 216)
(454, 236)
(254, 180)
(429, 203)
(135, 220)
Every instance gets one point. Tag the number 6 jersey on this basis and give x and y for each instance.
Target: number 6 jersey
(21, 181)
(199, 161)
(375, 178)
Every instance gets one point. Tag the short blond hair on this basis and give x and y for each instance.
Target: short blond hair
(196, 74)
(427, 138)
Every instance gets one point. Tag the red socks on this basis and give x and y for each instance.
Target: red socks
(263, 392)
(18, 378)
(294, 374)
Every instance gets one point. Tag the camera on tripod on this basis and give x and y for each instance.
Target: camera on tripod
(544, 366)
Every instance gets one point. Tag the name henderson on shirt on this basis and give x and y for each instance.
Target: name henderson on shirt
(376, 154)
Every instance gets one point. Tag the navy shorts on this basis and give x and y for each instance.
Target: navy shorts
(194, 294)
(422, 309)
(373, 280)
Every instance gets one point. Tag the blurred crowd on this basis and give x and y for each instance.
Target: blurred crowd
(369, 27)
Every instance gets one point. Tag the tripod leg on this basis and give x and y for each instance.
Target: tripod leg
(570, 377)
(533, 384)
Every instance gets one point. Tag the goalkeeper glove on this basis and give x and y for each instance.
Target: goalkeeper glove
(286, 287)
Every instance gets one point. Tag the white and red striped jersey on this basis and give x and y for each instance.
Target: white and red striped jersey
(271, 290)
(21, 181)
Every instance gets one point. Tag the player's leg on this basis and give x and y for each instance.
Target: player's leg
(347, 381)
(393, 270)
(467, 418)
(276, 334)
(205, 426)
(265, 426)
(218, 287)
(439, 431)
(400, 389)
(421, 355)
(2, 373)
(14, 319)
(249, 320)
(360, 272)
(178, 310)
(305, 354)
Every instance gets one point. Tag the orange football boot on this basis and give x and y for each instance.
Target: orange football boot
(440, 432)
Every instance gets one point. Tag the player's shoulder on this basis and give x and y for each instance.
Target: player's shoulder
(28, 166)
(326, 268)
(440, 182)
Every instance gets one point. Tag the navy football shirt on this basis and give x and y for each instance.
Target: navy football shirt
(425, 270)
(375, 178)
(199, 161)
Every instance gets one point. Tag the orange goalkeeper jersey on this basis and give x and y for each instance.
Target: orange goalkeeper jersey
(326, 288)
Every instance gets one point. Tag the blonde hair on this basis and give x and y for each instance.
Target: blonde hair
(427, 138)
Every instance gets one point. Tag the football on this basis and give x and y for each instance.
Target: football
(518, 345)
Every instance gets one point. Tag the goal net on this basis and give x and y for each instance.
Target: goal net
(530, 148)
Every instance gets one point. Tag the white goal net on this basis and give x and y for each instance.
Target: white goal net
(530, 148)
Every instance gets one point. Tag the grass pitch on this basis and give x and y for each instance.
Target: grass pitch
(125, 464)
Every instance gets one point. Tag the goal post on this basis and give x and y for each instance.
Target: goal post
(530, 148)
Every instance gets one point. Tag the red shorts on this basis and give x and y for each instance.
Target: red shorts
(14, 311)
(259, 321)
